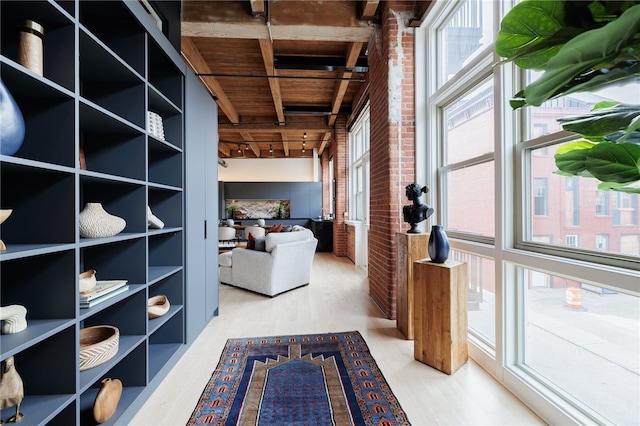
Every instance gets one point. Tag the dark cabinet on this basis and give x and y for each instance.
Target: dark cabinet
(323, 231)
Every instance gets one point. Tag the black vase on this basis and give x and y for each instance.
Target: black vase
(438, 244)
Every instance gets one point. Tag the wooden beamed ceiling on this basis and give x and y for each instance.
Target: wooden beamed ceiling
(281, 71)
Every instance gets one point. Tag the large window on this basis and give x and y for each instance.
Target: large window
(359, 167)
(553, 261)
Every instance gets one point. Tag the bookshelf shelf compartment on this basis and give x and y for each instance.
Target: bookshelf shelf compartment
(128, 42)
(58, 39)
(106, 141)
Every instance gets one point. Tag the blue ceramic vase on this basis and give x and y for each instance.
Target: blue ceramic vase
(11, 123)
(438, 244)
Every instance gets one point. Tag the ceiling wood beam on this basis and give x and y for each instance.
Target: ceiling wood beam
(254, 146)
(324, 143)
(257, 7)
(285, 145)
(224, 149)
(278, 32)
(267, 56)
(270, 128)
(352, 54)
(369, 8)
(199, 65)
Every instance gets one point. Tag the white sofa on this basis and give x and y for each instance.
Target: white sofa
(284, 265)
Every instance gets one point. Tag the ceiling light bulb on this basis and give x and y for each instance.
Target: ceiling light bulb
(239, 150)
(305, 135)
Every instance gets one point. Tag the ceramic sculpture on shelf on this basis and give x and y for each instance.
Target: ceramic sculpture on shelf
(261, 222)
(30, 52)
(12, 128)
(87, 280)
(415, 212)
(95, 222)
(4, 214)
(153, 220)
(107, 399)
(14, 318)
(158, 306)
(11, 388)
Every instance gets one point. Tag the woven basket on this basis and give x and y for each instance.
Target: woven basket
(98, 345)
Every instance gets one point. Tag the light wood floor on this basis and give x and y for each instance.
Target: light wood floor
(336, 300)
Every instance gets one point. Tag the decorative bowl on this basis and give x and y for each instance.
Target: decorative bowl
(98, 344)
(158, 306)
(87, 280)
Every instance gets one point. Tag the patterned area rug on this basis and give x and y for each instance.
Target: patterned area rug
(310, 379)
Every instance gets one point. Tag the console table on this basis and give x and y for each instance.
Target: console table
(440, 310)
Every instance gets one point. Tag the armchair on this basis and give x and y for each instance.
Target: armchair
(284, 265)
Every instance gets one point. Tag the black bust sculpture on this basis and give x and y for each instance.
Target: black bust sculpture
(416, 212)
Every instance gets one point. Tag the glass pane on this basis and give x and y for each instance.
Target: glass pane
(469, 125)
(481, 299)
(572, 212)
(585, 340)
(469, 30)
(471, 190)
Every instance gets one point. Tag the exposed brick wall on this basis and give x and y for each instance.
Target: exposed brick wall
(391, 96)
(339, 153)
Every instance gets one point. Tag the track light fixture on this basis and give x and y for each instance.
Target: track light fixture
(271, 149)
(239, 150)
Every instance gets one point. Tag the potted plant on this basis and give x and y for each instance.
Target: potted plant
(582, 46)
(280, 209)
(232, 209)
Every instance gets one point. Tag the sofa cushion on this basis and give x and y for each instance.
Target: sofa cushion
(273, 239)
(225, 259)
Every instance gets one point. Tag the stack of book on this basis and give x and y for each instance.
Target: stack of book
(103, 290)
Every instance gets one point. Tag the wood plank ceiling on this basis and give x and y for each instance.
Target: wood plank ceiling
(280, 70)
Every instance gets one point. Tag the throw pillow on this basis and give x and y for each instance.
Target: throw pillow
(286, 228)
(276, 228)
(260, 244)
(251, 242)
(256, 243)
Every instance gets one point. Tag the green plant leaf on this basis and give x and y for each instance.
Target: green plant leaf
(619, 163)
(571, 158)
(630, 188)
(591, 81)
(583, 52)
(601, 121)
(525, 27)
(630, 134)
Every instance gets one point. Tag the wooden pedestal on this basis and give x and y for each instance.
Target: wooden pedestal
(440, 303)
(411, 247)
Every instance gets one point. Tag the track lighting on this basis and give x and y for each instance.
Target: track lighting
(239, 150)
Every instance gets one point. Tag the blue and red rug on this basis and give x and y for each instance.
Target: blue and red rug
(310, 379)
